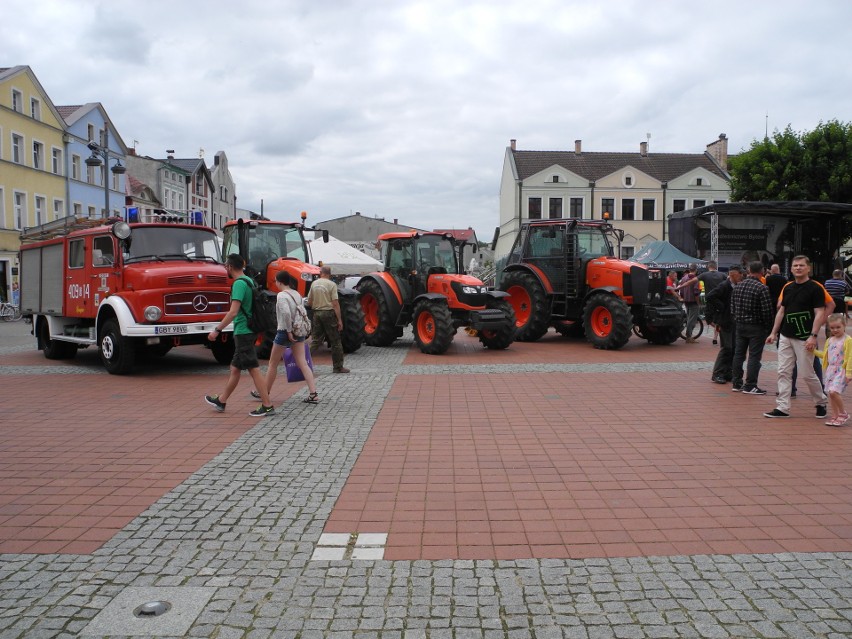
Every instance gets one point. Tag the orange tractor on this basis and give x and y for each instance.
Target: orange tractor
(424, 285)
(270, 246)
(563, 273)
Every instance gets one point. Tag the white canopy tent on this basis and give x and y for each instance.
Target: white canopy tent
(342, 258)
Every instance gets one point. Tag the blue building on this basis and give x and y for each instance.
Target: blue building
(95, 154)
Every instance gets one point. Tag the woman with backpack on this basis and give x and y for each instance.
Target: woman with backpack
(293, 328)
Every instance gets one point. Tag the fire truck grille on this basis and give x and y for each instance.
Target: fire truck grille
(198, 303)
(190, 280)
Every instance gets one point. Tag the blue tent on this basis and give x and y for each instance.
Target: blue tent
(661, 254)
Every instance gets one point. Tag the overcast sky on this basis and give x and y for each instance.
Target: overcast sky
(404, 109)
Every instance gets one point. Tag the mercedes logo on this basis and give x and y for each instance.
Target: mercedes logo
(199, 303)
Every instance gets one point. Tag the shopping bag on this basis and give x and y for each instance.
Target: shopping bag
(294, 373)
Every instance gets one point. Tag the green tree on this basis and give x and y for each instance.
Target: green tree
(815, 166)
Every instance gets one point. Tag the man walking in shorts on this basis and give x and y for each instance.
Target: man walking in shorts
(245, 356)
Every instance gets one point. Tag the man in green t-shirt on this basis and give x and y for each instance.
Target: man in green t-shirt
(245, 356)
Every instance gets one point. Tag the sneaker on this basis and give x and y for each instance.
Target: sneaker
(753, 390)
(341, 370)
(844, 417)
(213, 400)
(255, 394)
(820, 412)
(737, 387)
(262, 410)
(718, 380)
(776, 413)
(837, 421)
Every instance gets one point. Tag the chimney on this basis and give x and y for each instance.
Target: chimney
(171, 154)
(512, 144)
(643, 149)
(718, 150)
(396, 220)
(357, 212)
(578, 147)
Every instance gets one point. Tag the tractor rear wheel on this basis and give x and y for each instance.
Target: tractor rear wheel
(608, 321)
(503, 338)
(352, 314)
(529, 301)
(433, 327)
(379, 329)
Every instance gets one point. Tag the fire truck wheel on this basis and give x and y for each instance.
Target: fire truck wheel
(608, 321)
(503, 338)
(529, 301)
(117, 352)
(223, 351)
(433, 327)
(379, 329)
(54, 349)
(353, 323)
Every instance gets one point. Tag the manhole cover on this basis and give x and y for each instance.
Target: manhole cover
(152, 609)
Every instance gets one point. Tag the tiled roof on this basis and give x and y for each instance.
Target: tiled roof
(67, 110)
(190, 165)
(596, 165)
(460, 234)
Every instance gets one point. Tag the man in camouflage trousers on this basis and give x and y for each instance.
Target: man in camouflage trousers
(327, 320)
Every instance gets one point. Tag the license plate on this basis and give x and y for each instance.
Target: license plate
(170, 330)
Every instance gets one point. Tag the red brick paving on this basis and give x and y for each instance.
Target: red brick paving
(81, 455)
(560, 465)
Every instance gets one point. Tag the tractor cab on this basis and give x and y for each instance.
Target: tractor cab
(413, 258)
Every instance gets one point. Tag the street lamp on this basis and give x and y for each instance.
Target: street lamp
(93, 161)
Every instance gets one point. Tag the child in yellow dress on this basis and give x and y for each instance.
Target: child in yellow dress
(837, 364)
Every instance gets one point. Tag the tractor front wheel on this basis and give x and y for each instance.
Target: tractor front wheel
(379, 329)
(529, 302)
(608, 321)
(433, 327)
(502, 338)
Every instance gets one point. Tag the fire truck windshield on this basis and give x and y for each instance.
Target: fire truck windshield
(162, 243)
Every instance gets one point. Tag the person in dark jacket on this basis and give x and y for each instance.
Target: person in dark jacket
(719, 299)
(754, 317)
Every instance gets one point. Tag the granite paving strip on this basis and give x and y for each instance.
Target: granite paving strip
(247, 522)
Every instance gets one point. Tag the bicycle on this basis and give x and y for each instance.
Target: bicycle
(10, 312)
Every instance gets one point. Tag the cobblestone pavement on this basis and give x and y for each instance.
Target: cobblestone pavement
(245, 526)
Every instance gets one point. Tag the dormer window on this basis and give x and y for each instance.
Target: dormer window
(699, 182)
(555, 179)
(627, 179)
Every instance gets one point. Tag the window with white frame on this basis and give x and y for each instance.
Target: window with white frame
(35, 109)
(575, 207)
(17, 101)
(90, 132)
(116, 182)
(555, 208)
(40, 205)
(90, 174)
(628, 209)
(75, 167)
(649, 210)
(58, 208)
(38, 155)
(92, 211)
(627, 252)
(2, 208)
(56, 161)
(678, 205)
(698, 203)
(608, 207)
(534, 208)
(20, 212)
(78, 209)
(180, 201)
(17, 148)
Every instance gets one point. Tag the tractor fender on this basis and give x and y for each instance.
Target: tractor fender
(390, 291)
(535, 271)
(432, 297)
(497, 294)
(347, 292)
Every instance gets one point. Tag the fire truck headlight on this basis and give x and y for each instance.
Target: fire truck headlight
(153, 313)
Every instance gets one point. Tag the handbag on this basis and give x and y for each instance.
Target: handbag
(294, 373)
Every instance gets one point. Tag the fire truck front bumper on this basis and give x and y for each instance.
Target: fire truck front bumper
(172, 330)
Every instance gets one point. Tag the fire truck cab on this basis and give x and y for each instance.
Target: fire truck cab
(132, 290)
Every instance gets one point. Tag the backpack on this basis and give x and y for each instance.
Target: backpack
(262, 318)
(301, 323)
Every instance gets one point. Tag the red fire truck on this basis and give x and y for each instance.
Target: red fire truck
(132, 290)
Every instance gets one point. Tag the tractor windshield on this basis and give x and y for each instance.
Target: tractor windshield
(172, 243)
(424, 253)
(267, 242)
(592, 242)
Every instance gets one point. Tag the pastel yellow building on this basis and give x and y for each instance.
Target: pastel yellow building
(32, 165)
